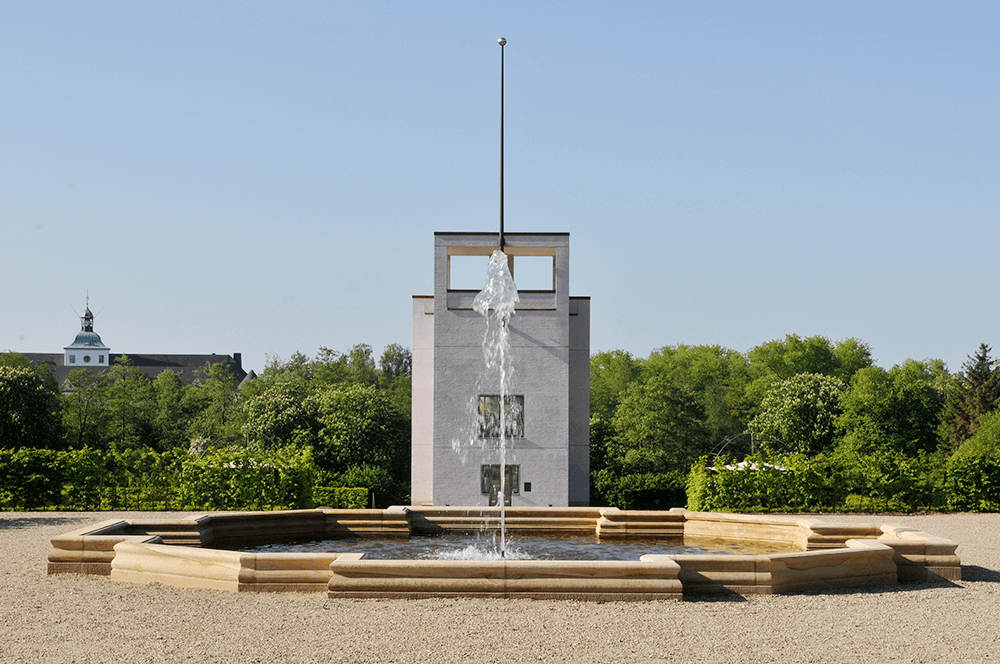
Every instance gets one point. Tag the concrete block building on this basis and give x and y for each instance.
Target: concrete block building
(454, 460)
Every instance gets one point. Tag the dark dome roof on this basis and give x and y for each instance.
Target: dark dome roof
(87, 340)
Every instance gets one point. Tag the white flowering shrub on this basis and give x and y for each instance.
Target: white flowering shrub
(797, 415)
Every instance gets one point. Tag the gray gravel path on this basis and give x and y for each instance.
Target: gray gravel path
(69, 618)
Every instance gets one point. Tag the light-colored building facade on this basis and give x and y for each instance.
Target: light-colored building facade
(89, 352)
(454, 455)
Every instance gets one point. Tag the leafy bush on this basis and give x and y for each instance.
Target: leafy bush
(901, 482)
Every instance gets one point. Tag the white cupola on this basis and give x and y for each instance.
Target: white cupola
(87, 350)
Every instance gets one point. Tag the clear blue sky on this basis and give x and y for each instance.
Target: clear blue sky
(267, 177)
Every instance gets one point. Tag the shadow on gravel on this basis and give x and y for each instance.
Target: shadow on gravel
(709, 598)
(903, 587)
(20, 522)
(977, 573)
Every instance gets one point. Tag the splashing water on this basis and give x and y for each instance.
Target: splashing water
(496, 304)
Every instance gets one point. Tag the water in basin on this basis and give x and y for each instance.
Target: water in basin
(486, 547)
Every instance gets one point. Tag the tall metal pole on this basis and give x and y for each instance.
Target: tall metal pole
(503, 42)
(503, 396)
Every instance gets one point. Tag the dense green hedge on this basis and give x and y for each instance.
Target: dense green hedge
(647, 491)
(30, 478)
(973, 482)
(845, 482)
(339, 497)
(94, 480)
(237, 479)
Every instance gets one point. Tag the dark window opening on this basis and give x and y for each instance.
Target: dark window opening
(489, 482)
(489, 416)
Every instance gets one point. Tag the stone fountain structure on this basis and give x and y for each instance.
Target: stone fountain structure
(194, 552)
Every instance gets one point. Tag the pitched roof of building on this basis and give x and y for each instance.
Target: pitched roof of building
(187, 366)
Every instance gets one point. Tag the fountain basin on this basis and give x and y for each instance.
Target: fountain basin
(179, 552)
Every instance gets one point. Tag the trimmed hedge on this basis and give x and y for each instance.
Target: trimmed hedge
(831, 483)
(238, 479)
(339, 497)
(95, 480)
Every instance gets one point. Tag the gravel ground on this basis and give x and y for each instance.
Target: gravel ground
(70, 618)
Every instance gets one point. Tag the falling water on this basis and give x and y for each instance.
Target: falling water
(496, 303)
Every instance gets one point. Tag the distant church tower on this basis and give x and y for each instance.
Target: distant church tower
(87, 350)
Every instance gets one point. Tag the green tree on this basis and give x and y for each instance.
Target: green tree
(362, 365)
(986, 440)
(278, 416)
(29, 411)
(611, 372)
(657, 431)
(358, 425)
(356, 367)
(658, 426)
(383, 489)
(794, 355)
(797, 414)
(395, 376)
(212, 400)
(853, 355)
(131, 404)
(895, 410)
(85, 412)
(717, 376)
(42, 370)
(779, 360)
(975, 393)
(170, 420)
(295, 376)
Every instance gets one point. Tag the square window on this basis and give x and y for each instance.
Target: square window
(72, 359)
(489, 481)
(490, 416)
